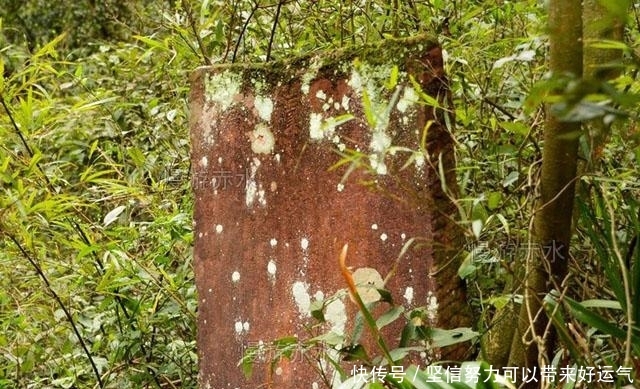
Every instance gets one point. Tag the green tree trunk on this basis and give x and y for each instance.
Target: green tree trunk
(546, 264)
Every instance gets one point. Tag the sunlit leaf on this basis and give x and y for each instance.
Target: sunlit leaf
(113, 215)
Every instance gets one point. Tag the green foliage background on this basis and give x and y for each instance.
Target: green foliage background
(95, 201)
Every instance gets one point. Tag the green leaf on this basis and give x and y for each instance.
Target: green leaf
(316, 308)
(354, 353)
(467, 267)
(390, 316)
(595, 320)
(393, 78)
(1, 76)
(399, 353)
(598, 303)
(113, 215)
(368, 110)
(442, 338)
(518, 128)
(493, 200)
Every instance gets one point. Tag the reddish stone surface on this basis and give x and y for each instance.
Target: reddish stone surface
(270, 222)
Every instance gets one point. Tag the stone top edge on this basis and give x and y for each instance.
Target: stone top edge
(394, 49)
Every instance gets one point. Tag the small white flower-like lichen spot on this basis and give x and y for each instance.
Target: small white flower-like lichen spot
(262, 139)
(235, 276)
(273, 242)
(383, 237)
(272, 268)
(219, 229)
(304, 243)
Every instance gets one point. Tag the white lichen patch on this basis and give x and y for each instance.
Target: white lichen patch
(345, 102)
(273, 242)
(222, 88)
(383, 237)
(235, 276)
(306, 78)
(272, 268)
(432, 309)
(301, 297)
(251, 187)
(264, 107)
(219, 229)
(262, 139)
(254, 190)
(408, 99)
(408, 294)
(376, 164)
(374, 226)
(321, 95)
(367, 281)
(380, 141)
(336, 314)
(241, 327)
(321, 128)
(304, 243)
(340, 187)
(204, 162)
(315, 126)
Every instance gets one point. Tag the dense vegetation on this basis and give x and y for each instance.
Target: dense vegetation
(96, 286)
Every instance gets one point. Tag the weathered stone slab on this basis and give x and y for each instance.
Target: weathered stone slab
(274, 207)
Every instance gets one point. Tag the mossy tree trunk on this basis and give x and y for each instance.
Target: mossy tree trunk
(600, 64)
(547, 264)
